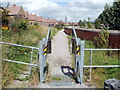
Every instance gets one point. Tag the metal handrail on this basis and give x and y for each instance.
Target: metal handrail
(31, 56)
(80, 57)
(48, 35)
(101, 49)
(24, 63)
(93, 66)
(19, 45)
(74, 34)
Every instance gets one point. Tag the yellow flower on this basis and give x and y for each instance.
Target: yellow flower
(5, 28)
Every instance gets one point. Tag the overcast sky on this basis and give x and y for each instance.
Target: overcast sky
(74, 10)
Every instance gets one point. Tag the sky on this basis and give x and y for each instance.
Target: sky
(74, 10)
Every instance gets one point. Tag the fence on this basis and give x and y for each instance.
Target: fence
(78, 51)
(31, 56)
(91, 66)
(43, 50)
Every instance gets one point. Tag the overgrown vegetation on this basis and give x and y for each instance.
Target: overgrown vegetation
(54, 31)
(86, 24)
(103, 40)
(99, 75)
(59, 26)
(5, 18)
(29, 37)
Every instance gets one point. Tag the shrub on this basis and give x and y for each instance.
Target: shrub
(59, 26)
(35, 24)
(22, 25)
(103, 39)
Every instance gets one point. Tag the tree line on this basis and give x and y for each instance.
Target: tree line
(108, 19)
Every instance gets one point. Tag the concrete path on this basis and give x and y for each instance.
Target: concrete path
(60, 55)
(60, 64)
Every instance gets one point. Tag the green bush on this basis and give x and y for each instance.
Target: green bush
(103, 39)
(35, 24)
(22, 25)
(59, 26)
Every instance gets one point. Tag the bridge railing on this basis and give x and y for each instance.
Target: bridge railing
(43, 50)
(91, 60)
(78, 49)
(31, 55)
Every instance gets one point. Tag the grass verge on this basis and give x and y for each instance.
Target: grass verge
(99, 75)
(30, 37)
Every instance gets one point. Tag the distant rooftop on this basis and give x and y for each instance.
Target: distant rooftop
(13, 10)
(32, 17)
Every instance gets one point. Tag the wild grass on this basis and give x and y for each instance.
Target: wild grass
(54, 31)
(30, 37)
(99, 75)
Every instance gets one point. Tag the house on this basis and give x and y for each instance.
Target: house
(16, 12)
(32, 18)
(73, 24)
(49, 22)
(40, 20)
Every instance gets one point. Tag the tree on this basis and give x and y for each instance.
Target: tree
(81, 23)
(97, 23)
(115, 10)
(89, 24)
(5, 18)
(103, 39)
(110, 16)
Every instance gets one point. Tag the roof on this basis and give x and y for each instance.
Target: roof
(13, 9)
(49, 20)
(32, 17)
(39, 18)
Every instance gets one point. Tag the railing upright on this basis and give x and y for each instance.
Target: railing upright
(31, 56)
(82, 43)
(44, 49)
(78, 51)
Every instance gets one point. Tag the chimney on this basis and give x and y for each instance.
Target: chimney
(14, 5)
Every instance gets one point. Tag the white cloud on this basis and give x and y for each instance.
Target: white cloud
(73, 9)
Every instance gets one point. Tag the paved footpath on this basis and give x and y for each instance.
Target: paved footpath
(60, 64)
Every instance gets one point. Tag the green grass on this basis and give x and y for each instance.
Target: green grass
(99, 75)
(54, 31)
(30, 37)
(56, 78)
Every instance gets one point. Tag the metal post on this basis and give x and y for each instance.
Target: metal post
(81, 61)
(41, 59)
(77, 57)
(44, 59)
(30, 69)
(90, 63)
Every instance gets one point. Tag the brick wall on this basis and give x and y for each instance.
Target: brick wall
(85, 34)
